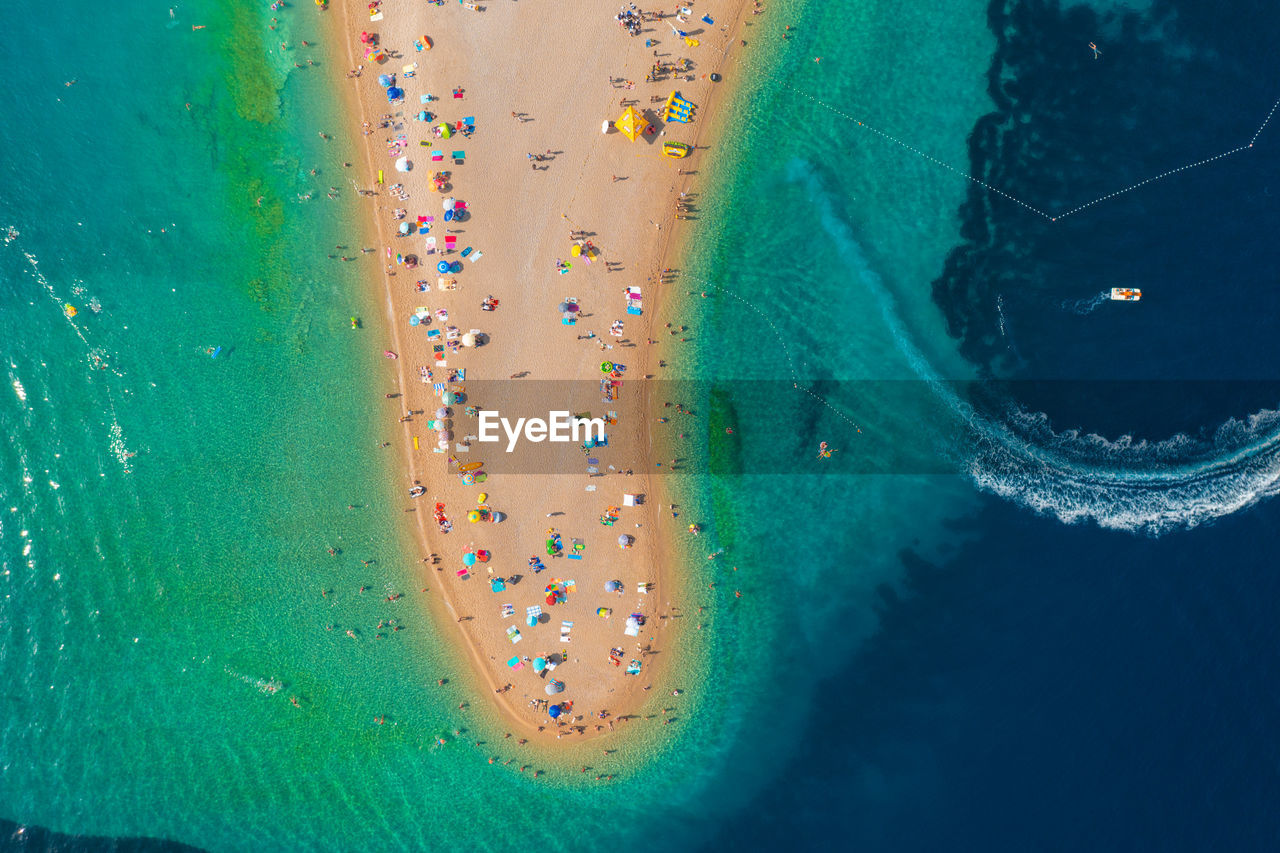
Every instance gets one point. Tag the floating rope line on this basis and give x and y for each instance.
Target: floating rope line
(895, 140)
(1052, 218)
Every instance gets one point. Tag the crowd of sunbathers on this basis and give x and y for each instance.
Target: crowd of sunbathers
(631, 18)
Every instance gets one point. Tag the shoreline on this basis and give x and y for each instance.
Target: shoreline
(661, 550)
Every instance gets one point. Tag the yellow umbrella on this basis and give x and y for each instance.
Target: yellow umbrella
(631, 124)
(575, 250)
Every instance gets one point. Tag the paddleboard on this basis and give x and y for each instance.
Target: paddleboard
(470, 466)
(215, 352)
(415, 442)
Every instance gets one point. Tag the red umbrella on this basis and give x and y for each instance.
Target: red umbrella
(551, 599)
(364, 38)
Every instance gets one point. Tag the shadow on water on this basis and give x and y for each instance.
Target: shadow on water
(15, 838)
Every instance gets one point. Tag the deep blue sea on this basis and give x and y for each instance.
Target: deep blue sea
(1080, 652)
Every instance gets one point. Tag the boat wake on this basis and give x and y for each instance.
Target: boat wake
(1121, 484)
(1086, 306)
(265, 686)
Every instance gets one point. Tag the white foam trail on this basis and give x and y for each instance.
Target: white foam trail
(1120, 484)
(97, 360)
(1087, 306)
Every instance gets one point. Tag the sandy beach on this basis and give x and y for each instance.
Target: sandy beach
(555, 211)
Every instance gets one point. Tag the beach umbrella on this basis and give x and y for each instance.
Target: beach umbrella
(443, 266)
(364, 38)
(469, 339)
(575, 250)
(404, 227)
(551, 598)
(447, 398)
(539, 664)
(497, 584)
(473, 516)
(394, 93)
(603, 611)
(386, 80)
(449, 203)
(553, 711)
(443, 444)
(413, 321)
(468, 559)
(442, 412)
(497, 516)
(532, 621)
(613, 586)
(624, 540)
(553, 687)
(455, 267)
(403, 165)
(469, 478)
(445, 435)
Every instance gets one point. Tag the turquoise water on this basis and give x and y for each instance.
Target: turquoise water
(167, 516)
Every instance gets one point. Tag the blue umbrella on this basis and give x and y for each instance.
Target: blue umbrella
(404, 227)
(386, 80)
(613, 586)
(533, 621)
(539, 664)
(413, 320)
(468, 559)
(448, 216)
(443, 266)
(394, 94)
(497, 585)
(455, 267)
(554, 711)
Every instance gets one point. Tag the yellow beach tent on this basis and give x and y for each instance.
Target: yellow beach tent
(631, 124)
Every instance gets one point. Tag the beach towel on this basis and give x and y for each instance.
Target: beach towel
(437, 156)
(463, 573)
(565, 628)
(634, 309)
(431, 245)
(633, 668)
(516, 664)
(477, 256)
(450, 242)
(534, 612)
(513, 634)
(508, 610)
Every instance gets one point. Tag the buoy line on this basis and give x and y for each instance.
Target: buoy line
(1025, 205)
